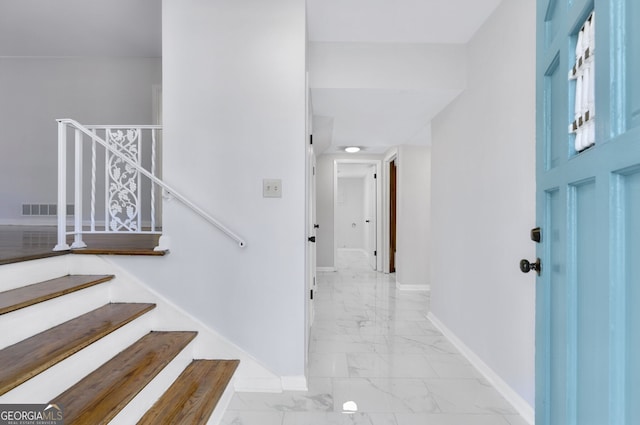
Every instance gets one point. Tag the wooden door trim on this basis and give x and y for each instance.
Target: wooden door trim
(393, 207)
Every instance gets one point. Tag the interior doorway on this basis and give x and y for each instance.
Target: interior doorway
(357, 209)
(393, 185)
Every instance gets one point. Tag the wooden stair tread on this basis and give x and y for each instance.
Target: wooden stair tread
(27, 358)
(98, 397)
(193, 396)
(18, 298)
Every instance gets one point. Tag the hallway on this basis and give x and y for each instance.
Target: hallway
(375, 359)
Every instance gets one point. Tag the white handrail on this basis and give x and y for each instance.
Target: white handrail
(175, 194)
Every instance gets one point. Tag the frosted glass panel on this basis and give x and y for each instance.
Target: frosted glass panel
(582, 76)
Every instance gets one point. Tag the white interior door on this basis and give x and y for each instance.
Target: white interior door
(311, 226)
(367, 222)
(311, 234)
(371, 219)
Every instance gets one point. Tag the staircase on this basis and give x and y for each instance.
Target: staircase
(65, 342)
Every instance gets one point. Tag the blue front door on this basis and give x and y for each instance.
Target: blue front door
(588, 206)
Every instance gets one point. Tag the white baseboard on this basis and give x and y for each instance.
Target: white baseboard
(257, 385)
(519, 404)
(294, 383)
(270, 385)
(32, 221)
(326, 269)
(402, 287)
(48, 220)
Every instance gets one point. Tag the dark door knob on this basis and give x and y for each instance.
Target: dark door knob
(312, 239)
(316, 226)
(526, 266)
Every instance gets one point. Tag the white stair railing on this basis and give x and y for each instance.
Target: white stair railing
(121, 201)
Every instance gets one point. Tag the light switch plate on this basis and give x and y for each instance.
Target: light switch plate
(272, 188)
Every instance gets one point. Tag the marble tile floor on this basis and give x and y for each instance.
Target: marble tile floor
(375, 359)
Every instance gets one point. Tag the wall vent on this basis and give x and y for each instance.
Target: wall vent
(44, 209)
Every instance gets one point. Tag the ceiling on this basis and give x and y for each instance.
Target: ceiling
(369, 116)
(397, 21)
(374, 119)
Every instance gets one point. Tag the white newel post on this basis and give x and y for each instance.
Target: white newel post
(153, 184)
(62, 188)
(77, 226)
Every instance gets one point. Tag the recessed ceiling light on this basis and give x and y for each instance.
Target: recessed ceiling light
(349, 407)
(352, 149)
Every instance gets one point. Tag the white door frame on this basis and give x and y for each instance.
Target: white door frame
(370, 186)
(377, 164)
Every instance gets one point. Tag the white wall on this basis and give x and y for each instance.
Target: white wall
(324, 212)
(350, 213)
(483, 189)
(234, 114)
(36, 91)
(413, 231)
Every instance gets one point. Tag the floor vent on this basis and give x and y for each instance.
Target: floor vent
(44, 209)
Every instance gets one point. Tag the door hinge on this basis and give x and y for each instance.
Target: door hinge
(375, 175)
(314, 171)
(375, 253)
(311, 294)
(311, 139)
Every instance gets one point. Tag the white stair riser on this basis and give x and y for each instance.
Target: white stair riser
(17, 275)
(29, 321)
(58, 378)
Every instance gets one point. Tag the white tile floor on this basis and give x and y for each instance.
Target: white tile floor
(374, 352)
